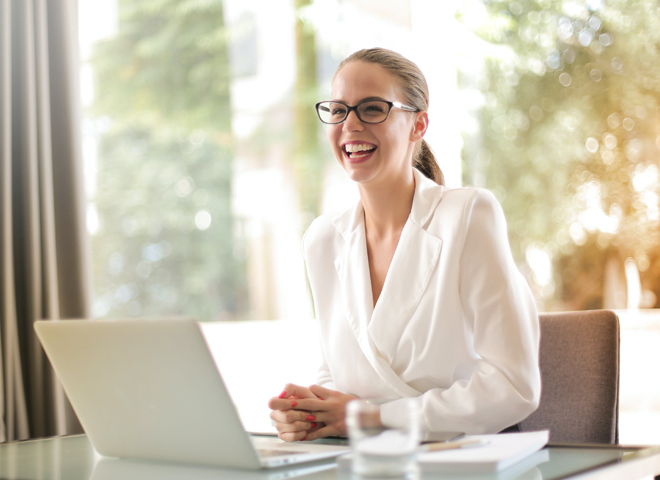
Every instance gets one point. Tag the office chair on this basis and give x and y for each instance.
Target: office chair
(579, 359)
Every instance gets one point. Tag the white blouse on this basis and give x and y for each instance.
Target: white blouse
(455, 324)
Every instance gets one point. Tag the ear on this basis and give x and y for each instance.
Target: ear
(420, 125)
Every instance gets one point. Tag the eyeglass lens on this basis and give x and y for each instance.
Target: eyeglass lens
(369, 112)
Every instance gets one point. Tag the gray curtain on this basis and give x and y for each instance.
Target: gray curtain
(44, 252)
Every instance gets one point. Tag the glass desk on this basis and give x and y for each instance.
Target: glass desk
(73, 458)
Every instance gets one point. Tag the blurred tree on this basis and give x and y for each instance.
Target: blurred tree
(162, 107)
(568, 138)
(308, 165)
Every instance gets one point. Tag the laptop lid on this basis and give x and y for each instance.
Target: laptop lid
(149, 389)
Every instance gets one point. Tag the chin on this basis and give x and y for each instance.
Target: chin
(360, 175)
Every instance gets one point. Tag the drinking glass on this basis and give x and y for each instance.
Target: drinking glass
(383, 451)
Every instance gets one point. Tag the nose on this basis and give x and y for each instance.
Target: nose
(352, 122)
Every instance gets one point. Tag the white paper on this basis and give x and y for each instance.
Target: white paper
(501, 452)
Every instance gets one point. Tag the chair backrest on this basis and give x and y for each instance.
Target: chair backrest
(579, 360)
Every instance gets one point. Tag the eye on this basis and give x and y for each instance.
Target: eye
(373, 109)
(338, 110)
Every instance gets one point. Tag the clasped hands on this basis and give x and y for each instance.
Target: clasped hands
(308, 413)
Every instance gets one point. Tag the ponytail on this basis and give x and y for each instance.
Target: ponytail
(424, 161)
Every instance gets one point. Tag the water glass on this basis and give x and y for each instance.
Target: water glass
(383, 451)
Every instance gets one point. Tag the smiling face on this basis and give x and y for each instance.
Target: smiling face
(373, 153)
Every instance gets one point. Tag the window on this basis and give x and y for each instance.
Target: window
(206, 162)
(564, 101)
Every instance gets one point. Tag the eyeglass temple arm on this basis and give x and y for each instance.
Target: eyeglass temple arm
(404, 107)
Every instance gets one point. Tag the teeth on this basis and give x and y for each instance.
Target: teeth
(357, 147)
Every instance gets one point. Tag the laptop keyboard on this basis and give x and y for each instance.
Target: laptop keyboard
(268, 452)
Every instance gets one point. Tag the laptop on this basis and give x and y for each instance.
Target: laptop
(149, 389)
(130, 469)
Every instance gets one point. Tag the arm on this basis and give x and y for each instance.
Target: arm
(324, 377)
(293, 422)
(500, 315)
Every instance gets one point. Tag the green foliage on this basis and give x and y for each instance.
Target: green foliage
(168, 64)
(307, 157)
(165, 165)
(568, 132)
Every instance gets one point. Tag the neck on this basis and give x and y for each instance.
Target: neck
(387, 206)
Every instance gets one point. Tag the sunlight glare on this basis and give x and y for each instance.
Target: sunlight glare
(540, 263)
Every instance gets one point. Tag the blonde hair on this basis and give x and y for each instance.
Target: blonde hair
(416, 94)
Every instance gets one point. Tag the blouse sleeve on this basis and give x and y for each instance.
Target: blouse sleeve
(500, 313)
(323, 378)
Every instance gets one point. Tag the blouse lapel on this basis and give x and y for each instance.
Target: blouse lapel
(378, 330)
(413, 263)
(353, 271)
(352, 267)
(407, 278)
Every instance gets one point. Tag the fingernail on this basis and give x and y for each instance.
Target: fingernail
(294, 403)
(314, 424)
(283, 394)
(311, 418)
(303, 439)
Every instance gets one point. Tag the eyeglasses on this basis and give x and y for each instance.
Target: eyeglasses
(371, 111)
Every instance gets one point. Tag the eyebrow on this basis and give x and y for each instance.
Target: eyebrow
(368, 99)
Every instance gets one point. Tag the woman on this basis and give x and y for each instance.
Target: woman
(415, 288)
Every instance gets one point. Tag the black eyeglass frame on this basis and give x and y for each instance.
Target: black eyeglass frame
(357, 112)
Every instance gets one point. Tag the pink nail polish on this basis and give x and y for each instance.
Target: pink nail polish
(314, 424)
(310, 418)
(283, 394)
(294, 403)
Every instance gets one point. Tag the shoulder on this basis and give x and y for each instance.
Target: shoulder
(467, 195)
(467, 203)
(431, 199)
(322, 232)
(463, 210)
(320, 228)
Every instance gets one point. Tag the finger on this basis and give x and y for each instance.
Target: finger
(318, 417)
(278, 416)
(298, 391)
(282, 403)
(293, 427)
(316, 426)
(292, 436)
(289, 388)
(312, 405)
(320, 391)
(291, 416)
(325, 431)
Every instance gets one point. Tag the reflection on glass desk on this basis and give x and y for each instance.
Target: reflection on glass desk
(73, 458)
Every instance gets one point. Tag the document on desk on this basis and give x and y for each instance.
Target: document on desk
(495, 453)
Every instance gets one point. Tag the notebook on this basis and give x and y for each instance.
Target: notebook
(149, 389)
(500, 457)
(498, 453)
